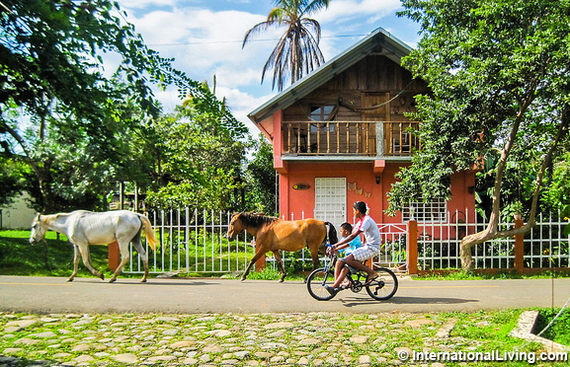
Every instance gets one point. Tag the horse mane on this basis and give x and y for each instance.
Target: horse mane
(256, 220)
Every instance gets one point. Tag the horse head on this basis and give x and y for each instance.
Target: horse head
(235, 227)
(39, 230)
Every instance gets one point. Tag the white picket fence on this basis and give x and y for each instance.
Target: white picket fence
(545, 245)
(193, 241)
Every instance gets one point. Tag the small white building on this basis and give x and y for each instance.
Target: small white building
(18, 215)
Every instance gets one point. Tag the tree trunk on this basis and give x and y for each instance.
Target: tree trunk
(491, 232)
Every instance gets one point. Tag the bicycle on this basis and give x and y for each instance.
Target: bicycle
(381, 288)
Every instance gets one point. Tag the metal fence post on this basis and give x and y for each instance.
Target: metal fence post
(519, 248)
(113, 255)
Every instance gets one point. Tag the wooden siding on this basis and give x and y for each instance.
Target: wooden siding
(373, 81)
(373, 74)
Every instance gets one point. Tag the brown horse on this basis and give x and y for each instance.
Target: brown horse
(273, 234)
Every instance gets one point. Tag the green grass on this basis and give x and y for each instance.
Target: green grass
(19, 257)
(559, 331)
(505, 274)
(55, 258)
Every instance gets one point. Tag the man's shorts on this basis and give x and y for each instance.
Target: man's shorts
(365, 252)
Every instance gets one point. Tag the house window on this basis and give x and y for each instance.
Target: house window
(321, 113)
(427, 212)
(330, 199)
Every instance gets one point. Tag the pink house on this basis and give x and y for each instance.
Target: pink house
(340, 134)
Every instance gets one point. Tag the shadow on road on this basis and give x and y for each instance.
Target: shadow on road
(147, 284)
(355, 302)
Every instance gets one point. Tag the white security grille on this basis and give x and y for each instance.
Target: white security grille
(426, 212)
(330, 199)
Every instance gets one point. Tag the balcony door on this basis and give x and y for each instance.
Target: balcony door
(330, 199)
(375, 107)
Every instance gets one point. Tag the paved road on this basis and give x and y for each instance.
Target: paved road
(91, 295)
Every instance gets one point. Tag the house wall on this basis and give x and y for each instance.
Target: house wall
(18, 215)
(373, 80)
(296, 204)
(373, 74)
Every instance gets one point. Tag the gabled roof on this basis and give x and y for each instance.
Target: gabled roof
(377, 42)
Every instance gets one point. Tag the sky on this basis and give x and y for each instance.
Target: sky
(205, 39)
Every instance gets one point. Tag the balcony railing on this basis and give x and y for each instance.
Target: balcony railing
(361, 138)
(399, 139)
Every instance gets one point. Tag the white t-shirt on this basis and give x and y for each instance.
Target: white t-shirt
(370, 230)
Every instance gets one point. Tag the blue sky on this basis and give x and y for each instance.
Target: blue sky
(205, 38)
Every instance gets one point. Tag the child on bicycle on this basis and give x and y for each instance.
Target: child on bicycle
(345, 231)
(368, 227)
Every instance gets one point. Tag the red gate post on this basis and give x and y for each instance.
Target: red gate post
(519, 248)
(412, 247)
(114, 258)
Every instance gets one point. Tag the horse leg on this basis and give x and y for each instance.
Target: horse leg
(315, 258)
(253, 260)
(124, 250)
(281, 266)
(84, 250)
(144, 257)
(76, 258)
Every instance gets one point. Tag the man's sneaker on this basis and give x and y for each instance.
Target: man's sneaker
(331, 290)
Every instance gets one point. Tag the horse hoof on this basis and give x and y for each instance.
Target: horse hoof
(112, 280)
(143, 280)
(242, 279)
(281, 280)
(102, 277)
(69, 280)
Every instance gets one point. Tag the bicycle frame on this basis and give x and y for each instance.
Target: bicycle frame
(381, 288)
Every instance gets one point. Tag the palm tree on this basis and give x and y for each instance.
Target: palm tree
(297, 51)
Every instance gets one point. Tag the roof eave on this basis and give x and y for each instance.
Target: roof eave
(392, 48)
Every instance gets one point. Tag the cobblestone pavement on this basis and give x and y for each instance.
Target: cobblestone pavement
(207, 340)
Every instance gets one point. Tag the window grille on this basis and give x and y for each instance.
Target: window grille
(426, 212)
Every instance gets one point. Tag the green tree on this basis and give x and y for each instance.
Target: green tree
(499, 73)
(198, 157)
(11, 180)
(261, 195)
(52, 73)
(297, 51)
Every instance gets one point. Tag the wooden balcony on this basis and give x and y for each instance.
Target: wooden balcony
(357, 138)
(399, 139)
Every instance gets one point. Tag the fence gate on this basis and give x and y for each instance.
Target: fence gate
(393, 253)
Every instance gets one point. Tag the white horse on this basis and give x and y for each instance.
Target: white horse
(84, 228)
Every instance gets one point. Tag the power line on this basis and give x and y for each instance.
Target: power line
(241, 41)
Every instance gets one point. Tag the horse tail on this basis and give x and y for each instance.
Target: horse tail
(332, 236)
(149, 233)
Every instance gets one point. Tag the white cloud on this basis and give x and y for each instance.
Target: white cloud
(241, 104)
(143, 4)
(204, 42)
(207, 42)
(343, 11)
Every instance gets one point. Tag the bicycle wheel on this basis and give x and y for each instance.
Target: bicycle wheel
(316, 284)
(383, 287)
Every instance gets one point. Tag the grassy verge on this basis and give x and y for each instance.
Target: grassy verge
(507, 274)
(559, 331)
(55, 258)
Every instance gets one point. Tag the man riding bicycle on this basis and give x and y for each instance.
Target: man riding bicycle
(370, 248)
